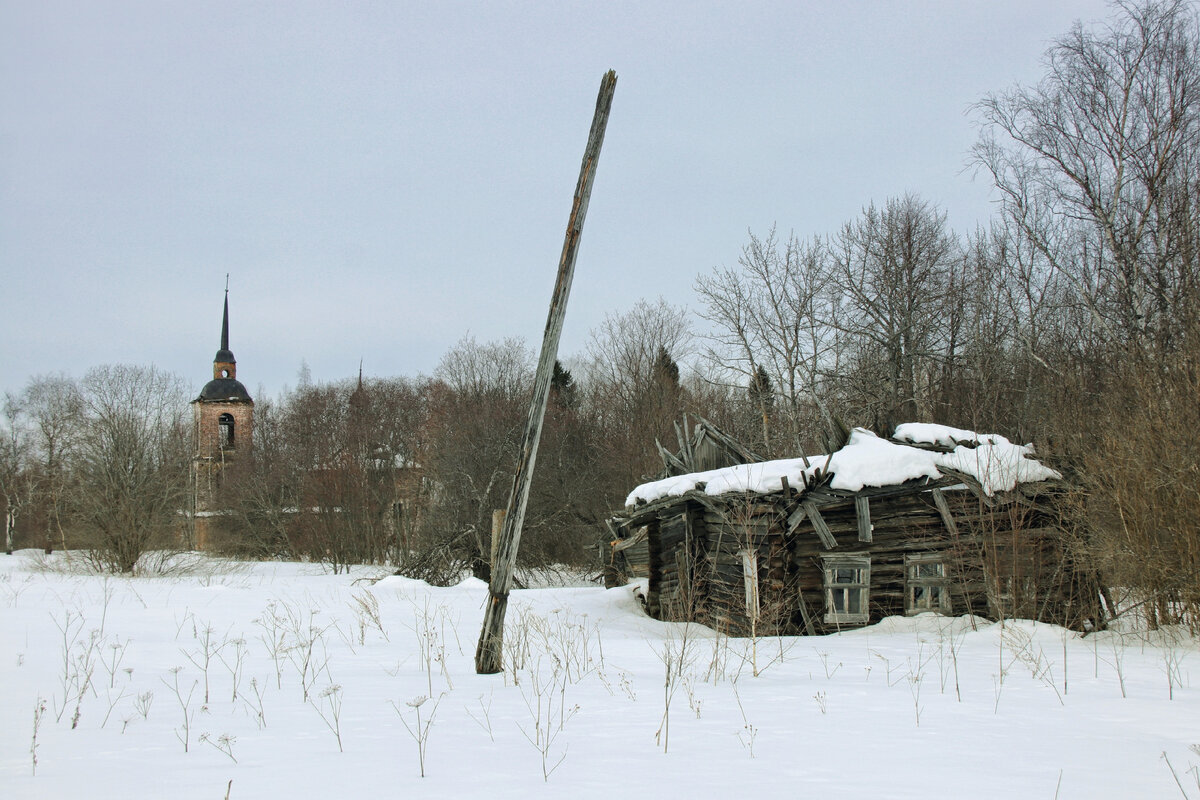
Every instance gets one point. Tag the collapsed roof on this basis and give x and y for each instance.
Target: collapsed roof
(916, 450)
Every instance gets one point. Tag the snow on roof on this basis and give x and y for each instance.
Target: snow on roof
(929, 433)
(867, 460)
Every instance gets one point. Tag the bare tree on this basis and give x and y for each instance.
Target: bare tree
(477, 417)
(572, 491)
(130, 476)
(624, 349)
(634, 385)
(502, 368)
(262, 491)
(895, 269)
(53, 405)
(772, 316)
(335, 474)
(477, 412)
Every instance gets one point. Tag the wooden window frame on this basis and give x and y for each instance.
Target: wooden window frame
(861, 583)
(913, 581)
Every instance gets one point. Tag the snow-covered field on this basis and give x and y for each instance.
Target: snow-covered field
(313, 685)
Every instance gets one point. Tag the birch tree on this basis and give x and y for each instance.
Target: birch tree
(14, 468)
(1097, 167)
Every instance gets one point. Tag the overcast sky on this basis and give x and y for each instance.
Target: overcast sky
(381, 178)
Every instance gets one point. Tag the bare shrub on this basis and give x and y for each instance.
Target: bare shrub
(1142, 472)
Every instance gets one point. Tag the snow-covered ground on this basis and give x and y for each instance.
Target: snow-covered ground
(925, 707)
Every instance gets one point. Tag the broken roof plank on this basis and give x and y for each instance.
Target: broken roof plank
(795, 518)
(975, 487)
(939, 500)
(669, 459)
(818, 523)
(746, 455)
(862, 511)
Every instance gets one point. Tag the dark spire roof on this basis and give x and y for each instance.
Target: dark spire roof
(225, 386)
(225, 354)
(224, 389)
(358, 398)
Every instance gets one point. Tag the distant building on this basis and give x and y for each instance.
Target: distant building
(222, 434)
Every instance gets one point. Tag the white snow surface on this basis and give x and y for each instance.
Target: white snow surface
(868, 460)
(969, 708)
(931, 433)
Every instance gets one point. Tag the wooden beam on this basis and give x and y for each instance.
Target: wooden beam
(490, 650)
(818, 523)
(685, 445)
(862, 510)
(796, 518)
(746, 455)
(939, 500)
(679, 439)
(808, 623)
(973, 485)
(669, 460)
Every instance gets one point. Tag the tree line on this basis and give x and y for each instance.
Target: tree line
(1070, 320)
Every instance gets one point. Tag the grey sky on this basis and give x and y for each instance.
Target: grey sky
(380, 178)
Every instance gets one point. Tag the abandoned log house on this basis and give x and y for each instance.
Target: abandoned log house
(934, 519)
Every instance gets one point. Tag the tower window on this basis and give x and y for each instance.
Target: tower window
(225, 430)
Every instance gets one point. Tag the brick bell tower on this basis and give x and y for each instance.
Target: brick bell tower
(222, 433)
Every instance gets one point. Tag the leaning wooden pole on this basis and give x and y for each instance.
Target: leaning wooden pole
(488, 655)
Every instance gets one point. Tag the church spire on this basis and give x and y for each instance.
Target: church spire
(225, 365)
(225, 319)
(358, 398)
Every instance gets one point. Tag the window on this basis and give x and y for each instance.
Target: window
(847, 589)
(1012, 596)
(926, 585)
(225, 430)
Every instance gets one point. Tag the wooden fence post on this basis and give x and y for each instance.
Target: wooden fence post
(489, 653)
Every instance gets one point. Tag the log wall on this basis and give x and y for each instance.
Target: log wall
(1000, 561)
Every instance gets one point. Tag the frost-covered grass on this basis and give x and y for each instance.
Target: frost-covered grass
(277, 680)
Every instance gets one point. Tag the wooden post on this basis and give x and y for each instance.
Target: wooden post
(491, 638)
